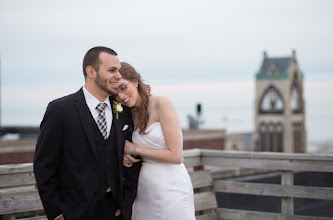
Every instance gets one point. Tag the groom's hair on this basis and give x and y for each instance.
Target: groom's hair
(92, 57)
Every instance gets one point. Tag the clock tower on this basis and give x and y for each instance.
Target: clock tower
(279, 106)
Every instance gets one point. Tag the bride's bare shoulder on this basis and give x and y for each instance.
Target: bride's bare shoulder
(162, 101)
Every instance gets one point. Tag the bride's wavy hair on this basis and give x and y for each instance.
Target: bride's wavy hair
(129, 73)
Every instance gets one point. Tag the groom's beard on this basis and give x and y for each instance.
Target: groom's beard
(103, 85)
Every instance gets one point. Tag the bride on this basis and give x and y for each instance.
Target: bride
(164, 190)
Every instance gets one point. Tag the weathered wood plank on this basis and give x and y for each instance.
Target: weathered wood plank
(17, 189)
(16, 168)
(205, 200)
(210, 216)
(36, 218)
(9, 217)
(273, 190)
(192, 158)
(225, 172)
(287, 202)
(235, 214)
(201, 179)
(266, 155)
(17, 179)
(192, 153)
(268, 163)
(191, 162)
(20, 202)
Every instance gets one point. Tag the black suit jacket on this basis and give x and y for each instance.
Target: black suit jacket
(65, 160)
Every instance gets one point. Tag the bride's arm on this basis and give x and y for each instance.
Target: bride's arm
(168, 118)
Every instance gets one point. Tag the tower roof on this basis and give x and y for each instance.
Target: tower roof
(279, 64)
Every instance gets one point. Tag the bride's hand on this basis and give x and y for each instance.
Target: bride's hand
(118, 212)
(129, 148)
(129, 160)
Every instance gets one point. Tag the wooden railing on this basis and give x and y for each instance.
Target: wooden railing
(285, 163)
(19, 197)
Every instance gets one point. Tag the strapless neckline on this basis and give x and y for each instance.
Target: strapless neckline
(152, 125)
(153, 137)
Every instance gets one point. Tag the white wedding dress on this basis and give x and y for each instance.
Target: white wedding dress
(165, 190)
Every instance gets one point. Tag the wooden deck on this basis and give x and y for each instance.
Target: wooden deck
(19, 198)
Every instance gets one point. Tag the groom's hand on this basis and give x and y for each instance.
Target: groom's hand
(129, 160)
(118, 212)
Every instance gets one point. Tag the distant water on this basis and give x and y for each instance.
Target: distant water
(225, 104)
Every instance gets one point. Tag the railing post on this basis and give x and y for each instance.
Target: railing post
(198, 168)
(287, 203)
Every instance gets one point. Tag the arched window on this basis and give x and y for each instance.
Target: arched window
(295, 96)
(271, 102)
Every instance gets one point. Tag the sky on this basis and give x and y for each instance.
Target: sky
(191, 51)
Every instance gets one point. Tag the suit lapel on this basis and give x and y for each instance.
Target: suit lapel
(85, 116)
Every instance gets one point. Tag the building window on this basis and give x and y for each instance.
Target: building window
(271, 137)
(271, 102)
(298, 137)
(295, 96)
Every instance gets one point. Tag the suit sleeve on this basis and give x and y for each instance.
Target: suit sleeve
(46, 160)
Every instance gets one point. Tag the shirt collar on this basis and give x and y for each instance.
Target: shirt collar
(92, 101)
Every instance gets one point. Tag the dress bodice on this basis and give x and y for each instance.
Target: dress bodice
(153, 138)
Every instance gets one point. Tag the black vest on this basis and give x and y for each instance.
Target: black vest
(107, 162)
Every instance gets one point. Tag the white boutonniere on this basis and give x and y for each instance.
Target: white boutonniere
(117, 108)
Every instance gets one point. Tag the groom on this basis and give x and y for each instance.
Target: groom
(78, 162)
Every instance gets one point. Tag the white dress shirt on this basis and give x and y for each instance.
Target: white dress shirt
(92, 102)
